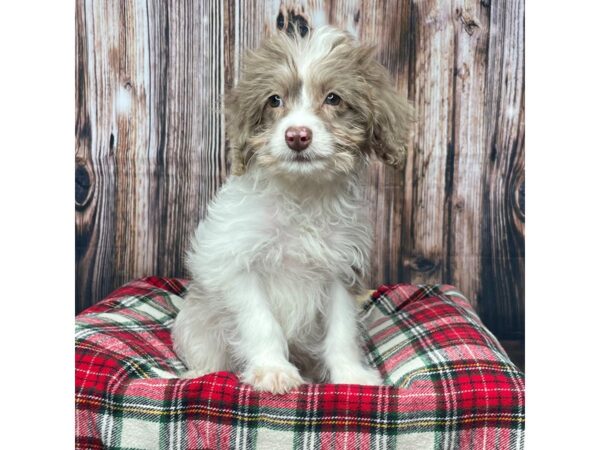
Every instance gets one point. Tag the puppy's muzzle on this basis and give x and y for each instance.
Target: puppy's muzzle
(298, 138)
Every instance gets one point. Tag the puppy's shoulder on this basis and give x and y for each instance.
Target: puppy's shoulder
(238, 200)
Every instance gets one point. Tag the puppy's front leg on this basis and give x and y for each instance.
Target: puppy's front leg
(261, 344)
(342, 352)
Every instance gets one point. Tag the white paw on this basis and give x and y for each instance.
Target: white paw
(275, 379)
(357, 375)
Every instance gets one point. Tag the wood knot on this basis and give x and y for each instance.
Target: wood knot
(293, 20)
(463, 72)
(421, 264)
(82, 186)
(521, 200)
(280, 20)
(522, 196)
(469, 21)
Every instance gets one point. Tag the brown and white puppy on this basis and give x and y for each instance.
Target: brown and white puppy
(286, 240)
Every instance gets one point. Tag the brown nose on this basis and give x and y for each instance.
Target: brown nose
(298, 138)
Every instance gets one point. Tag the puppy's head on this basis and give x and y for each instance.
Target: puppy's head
(314, 105)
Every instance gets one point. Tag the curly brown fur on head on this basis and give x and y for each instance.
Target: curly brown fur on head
(305, 74)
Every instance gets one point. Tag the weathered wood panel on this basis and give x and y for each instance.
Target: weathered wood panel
(503, 213)
(150, 137)
(432, 82)
(467, 151)
(151, 146)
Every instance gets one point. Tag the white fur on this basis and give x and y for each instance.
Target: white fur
(272, 267)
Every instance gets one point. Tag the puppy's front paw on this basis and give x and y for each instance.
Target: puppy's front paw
(357, 375)
(275, 379)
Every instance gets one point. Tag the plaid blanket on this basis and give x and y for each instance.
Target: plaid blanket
(450, 385)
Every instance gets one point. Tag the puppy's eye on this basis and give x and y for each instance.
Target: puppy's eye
(332, 99)
(275, 101)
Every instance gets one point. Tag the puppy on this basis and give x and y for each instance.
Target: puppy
(286, 241)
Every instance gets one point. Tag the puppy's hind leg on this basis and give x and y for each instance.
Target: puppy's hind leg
(206, 355)
(197, 341)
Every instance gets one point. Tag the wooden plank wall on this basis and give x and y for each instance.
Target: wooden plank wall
(150, 150)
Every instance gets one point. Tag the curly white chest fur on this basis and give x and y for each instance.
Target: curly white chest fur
(297, 245)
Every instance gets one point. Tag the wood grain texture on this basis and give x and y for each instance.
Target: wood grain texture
(150, 148)
(149, 136)
(503, 213)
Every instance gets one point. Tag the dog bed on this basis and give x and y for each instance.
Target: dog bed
(449, 383)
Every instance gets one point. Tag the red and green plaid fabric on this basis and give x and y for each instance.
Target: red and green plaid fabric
(450, 385)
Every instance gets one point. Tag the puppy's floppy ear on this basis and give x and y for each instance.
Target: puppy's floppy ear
(392, 116)
(237, 132)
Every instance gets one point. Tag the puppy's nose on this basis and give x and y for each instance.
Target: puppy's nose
(298, 138)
